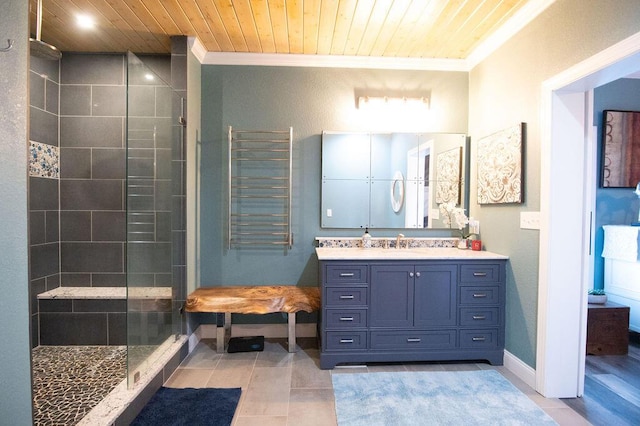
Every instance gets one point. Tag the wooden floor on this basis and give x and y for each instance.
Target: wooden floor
(612, 388)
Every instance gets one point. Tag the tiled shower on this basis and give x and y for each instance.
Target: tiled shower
(77, 207)
(102, 154)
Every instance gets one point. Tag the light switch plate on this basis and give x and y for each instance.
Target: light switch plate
(530, 220)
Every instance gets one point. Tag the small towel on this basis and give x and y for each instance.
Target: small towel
(621, 242)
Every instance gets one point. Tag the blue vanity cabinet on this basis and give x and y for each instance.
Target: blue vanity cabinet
(481, 308)
(392, 288)
(400, 311)
(345, 306)
(435, 295)
(413, 295)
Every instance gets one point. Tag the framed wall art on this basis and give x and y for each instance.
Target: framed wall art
(448, 174)
(500, 166)
(620, 149)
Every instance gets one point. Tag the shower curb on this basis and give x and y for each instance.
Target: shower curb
(122, 405)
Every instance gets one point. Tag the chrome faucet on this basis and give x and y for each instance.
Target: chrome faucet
(398, 239)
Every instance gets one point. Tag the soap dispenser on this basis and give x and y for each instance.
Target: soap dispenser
(366, 239)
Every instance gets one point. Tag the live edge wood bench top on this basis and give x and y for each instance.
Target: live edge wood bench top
(254, 299)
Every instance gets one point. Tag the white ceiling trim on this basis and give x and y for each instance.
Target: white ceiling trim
(525, 15)
(517, 22)
(197, 48)
(333, 61)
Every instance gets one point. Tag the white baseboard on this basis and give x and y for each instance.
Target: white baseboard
(208, 331)
(520, 369)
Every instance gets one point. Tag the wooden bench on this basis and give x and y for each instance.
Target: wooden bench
(253, 300)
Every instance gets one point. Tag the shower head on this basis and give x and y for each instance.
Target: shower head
(44, 50)
(39, 48)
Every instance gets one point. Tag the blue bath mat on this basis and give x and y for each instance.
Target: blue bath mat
(207, 406)
(433, 398)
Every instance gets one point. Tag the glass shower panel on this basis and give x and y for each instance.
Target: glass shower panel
(155, 215)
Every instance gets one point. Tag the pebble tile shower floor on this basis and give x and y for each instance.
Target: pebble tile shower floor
(68, 381)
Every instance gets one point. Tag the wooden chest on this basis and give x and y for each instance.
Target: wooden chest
(607, 329)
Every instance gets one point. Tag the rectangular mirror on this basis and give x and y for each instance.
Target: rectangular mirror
(620, 149)
(391, 180)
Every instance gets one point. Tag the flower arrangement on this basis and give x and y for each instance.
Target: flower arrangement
(450, 214)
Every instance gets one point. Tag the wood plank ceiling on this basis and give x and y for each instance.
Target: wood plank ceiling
(375, 28)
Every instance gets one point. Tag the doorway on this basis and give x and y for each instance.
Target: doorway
(565, 216)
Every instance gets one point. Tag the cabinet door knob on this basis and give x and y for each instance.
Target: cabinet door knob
(411, 274)
(418, 274)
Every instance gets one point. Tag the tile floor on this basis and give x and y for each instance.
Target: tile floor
(68, 381)
(280, 388)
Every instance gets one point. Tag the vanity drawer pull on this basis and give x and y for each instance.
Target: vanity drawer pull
(347, 297)
(479, 317)
(346, 340)
(347, 274)
(479, 339)
(479, 295)
(479, 274)
(346, 318)
(413, 340)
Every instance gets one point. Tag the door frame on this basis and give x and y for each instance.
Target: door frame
(565, 208)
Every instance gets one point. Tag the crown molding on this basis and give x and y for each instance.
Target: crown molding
(197, 48)
(333, 61)
(512, 26)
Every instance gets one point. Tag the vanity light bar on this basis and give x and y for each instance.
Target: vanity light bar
(389, 101)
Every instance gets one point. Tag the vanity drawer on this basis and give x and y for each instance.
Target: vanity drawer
(480, 273)
(345, 318)
(480, 317)
(346, 340)
(481, 295)
(345, 273)
(406, 340)
(479, 339)
(345, 296)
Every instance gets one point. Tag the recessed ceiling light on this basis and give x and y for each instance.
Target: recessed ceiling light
(85, 21)
(148, 76)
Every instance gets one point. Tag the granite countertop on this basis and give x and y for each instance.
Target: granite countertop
(328, 253)
(107, 293)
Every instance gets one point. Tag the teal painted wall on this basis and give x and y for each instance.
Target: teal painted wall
(614, 206)
(15, 350)
(310, 100)
(504, 89)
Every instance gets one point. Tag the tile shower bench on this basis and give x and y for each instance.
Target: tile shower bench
(95, 315)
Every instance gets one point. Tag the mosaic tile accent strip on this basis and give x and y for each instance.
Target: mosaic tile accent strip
(44, 160)
(355, 242)
(68, 381)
